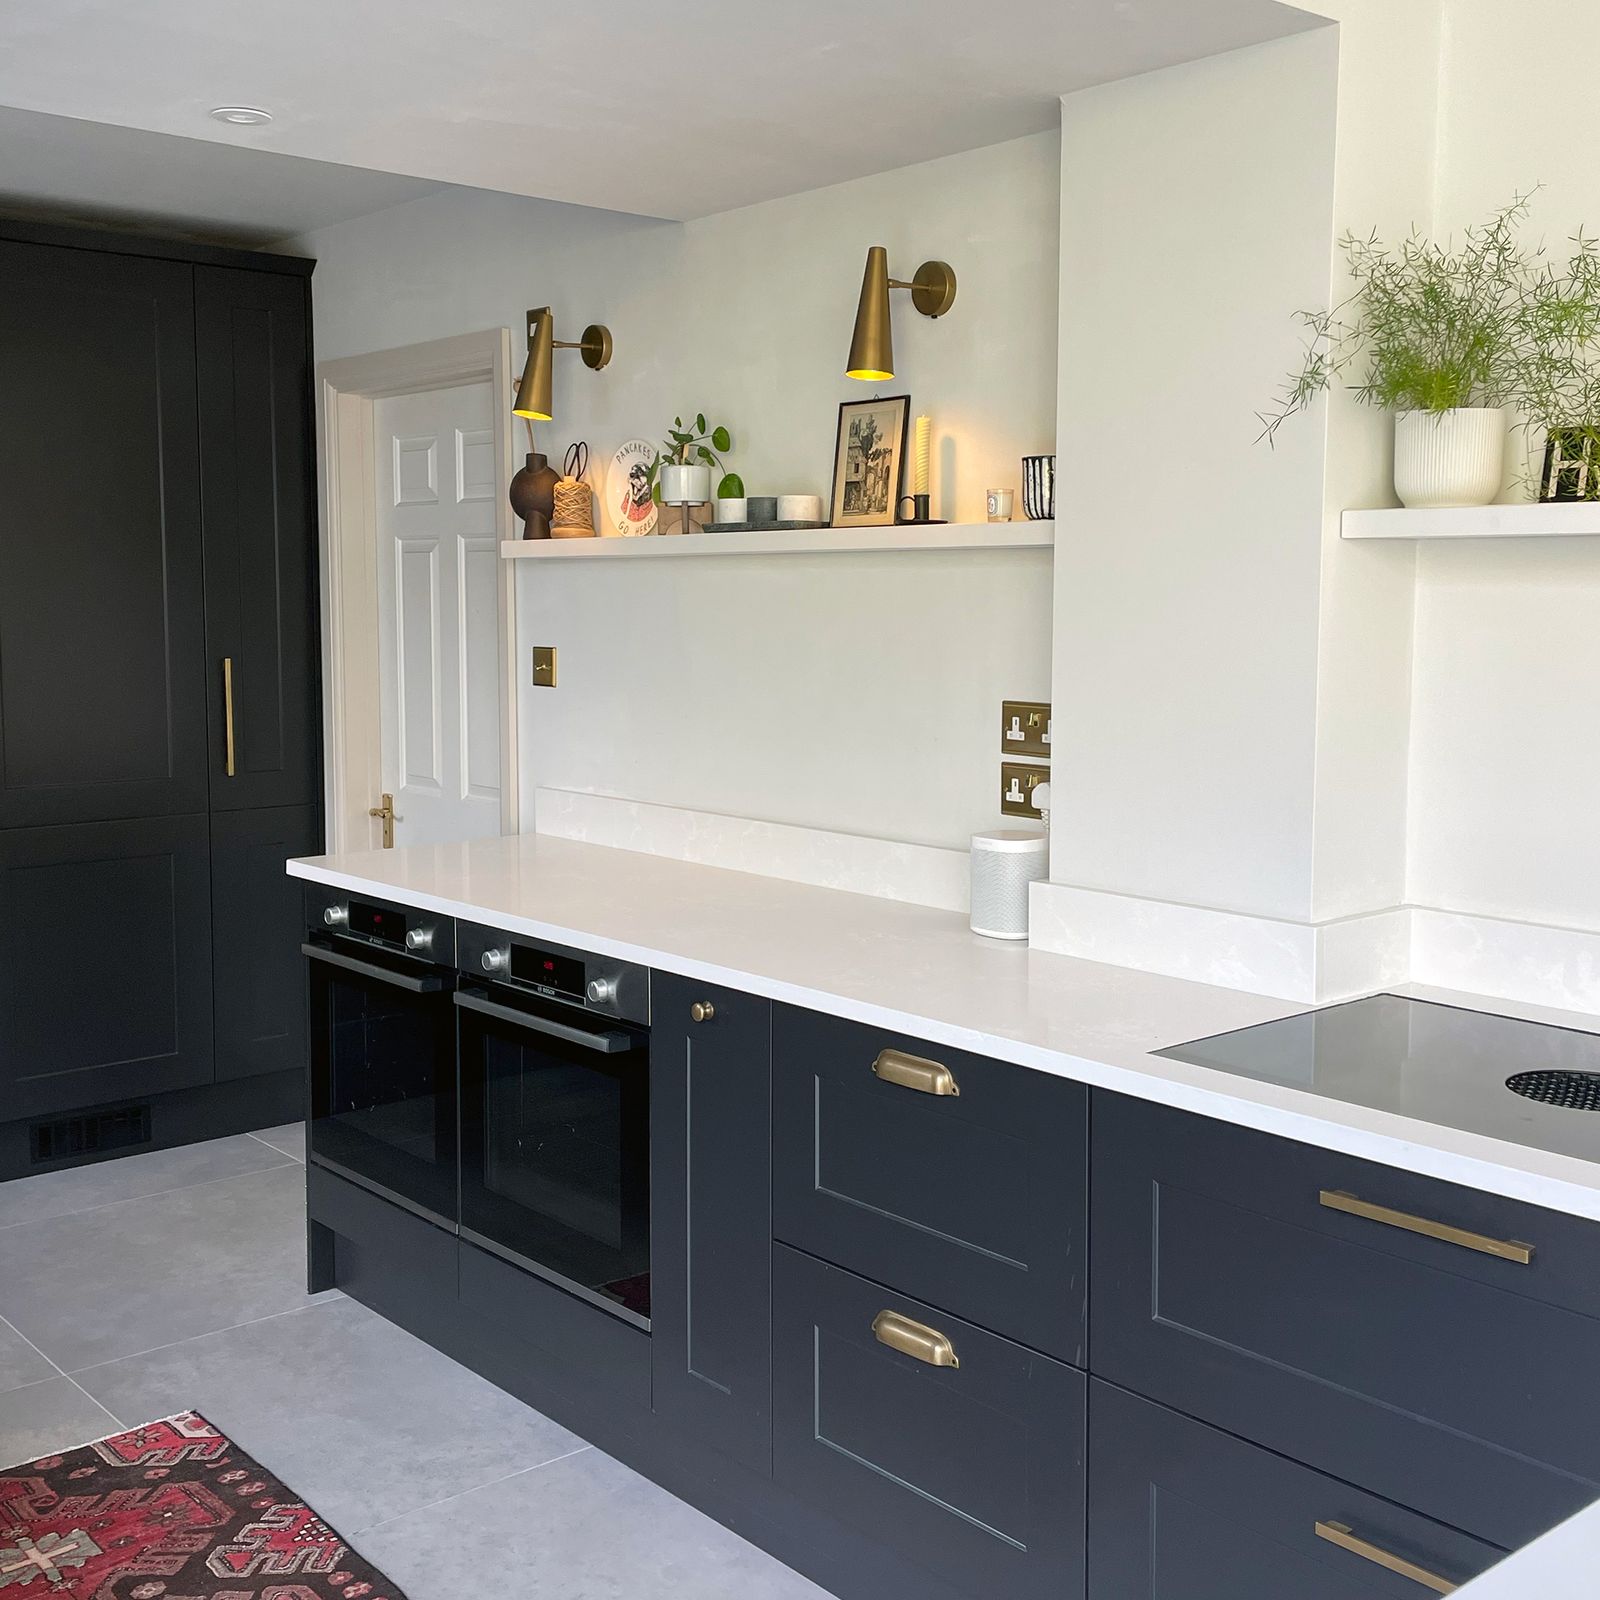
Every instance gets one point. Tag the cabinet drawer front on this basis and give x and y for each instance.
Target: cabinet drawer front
(1179, 1511)
(974, 1471)
(1234, 1282)
(972, 1200)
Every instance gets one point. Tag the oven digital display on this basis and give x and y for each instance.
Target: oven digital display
(373, 923)
(549, 971)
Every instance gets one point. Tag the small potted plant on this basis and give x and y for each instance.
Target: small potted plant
(681, 472)
(1451, 338)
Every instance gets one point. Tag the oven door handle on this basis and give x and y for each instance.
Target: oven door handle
(429, 983)
(608, 1041)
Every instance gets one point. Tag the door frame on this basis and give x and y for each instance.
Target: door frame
(352, 696)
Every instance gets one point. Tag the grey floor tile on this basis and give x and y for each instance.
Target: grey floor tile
(290, 1139)
(20, 1363)
(129, 1277)
(363, 1420)
(57, 1194)
(46, 1417)
(587, 1528)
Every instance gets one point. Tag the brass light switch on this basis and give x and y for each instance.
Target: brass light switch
(1018, 780)
(1025, 728)
(544, 666)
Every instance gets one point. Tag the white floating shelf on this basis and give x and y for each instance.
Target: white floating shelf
(1569, 519)
(792, 541)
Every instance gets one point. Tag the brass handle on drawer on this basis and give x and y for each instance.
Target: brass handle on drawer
(227, 711)
(912, 1072)
(1504, 1249)
(914, 1339)
(702, 1011)
(1337, 1533)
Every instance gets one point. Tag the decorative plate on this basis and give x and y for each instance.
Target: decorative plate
(629, 509)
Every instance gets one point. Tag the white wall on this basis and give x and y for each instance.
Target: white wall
(1195, 223)
(862, 693)
(1505, 756)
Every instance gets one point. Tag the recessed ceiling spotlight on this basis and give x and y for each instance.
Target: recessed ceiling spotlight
(241, 116)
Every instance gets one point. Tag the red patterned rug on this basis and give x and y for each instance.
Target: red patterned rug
(171, 1511)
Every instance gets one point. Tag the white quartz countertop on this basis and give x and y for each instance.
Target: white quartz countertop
(923, 972)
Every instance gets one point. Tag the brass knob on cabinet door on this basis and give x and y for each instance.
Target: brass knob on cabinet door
(702, 1011)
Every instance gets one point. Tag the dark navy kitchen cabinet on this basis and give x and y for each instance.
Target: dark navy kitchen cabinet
(1283, 1292)
(948, 1176)
(711, 1236)
(960, 1450)
(1180, 1511)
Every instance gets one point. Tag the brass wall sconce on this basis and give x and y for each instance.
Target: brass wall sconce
(933, 292)
(534, 392)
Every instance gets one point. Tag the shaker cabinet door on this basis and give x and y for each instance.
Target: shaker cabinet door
(260, 997)
(105, 963)
(710, 1191)
(260, 538)
(102, 702)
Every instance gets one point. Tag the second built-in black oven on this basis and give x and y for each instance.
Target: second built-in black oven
(555, 1114)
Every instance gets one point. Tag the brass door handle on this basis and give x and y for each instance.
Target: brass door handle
(1503, 1249)
(1337, 1533)
(227, 712)
(914, 1339)
(386, 811)
(702, 1011)
(913, 1072)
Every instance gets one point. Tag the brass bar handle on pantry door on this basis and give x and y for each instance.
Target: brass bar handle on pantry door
(913, 1072)
(1338, 1534)
(227, 710)
(914, 1339)
(1503, 1249)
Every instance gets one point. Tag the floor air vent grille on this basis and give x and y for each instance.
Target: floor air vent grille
(90, 1133)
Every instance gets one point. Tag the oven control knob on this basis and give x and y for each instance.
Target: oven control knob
(496, 960)
(419, 939)
(336, 916)
(601, 991)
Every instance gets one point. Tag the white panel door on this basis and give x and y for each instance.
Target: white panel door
(438, 613)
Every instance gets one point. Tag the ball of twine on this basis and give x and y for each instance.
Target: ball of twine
(574, 508)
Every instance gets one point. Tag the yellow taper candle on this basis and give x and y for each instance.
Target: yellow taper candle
(924, 446)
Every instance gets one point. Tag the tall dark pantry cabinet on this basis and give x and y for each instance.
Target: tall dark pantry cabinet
(160, 746)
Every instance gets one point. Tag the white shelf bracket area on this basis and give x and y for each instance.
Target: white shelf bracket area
(1563, 520)
(802, 541)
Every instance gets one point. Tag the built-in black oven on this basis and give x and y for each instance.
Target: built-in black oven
(555, 1114)
(382, 1092)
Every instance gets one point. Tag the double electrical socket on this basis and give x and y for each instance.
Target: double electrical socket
(1024, 731)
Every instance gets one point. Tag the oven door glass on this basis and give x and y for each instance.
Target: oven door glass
(383, 1079)
(555, 1144)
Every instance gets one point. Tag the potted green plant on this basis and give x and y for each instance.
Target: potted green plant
(1449, 338)
(681, 472)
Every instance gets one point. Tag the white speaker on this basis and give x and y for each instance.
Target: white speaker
(1003, 865)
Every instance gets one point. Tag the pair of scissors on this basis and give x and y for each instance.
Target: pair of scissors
(577, 460)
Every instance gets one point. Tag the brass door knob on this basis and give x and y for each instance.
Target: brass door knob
(702, 1011)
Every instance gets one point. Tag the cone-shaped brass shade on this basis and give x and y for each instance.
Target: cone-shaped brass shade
(534, 393)
(872, 343)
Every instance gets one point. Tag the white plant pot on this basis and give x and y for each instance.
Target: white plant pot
(1449, 458)
(685, 486)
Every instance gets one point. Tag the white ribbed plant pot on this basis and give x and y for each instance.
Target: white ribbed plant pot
(1449, 458)
(685, 486)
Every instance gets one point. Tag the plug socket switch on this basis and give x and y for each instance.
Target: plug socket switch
(544, 666)
(1018, 780)
(1025, 728)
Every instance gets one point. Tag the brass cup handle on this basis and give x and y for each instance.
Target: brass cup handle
(914, 1339)
(915, 1072)
(1353, 1206)
(227, 713)
(702, 1011)
(1338, 1533)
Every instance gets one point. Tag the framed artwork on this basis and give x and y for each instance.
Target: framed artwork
(869, 460)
